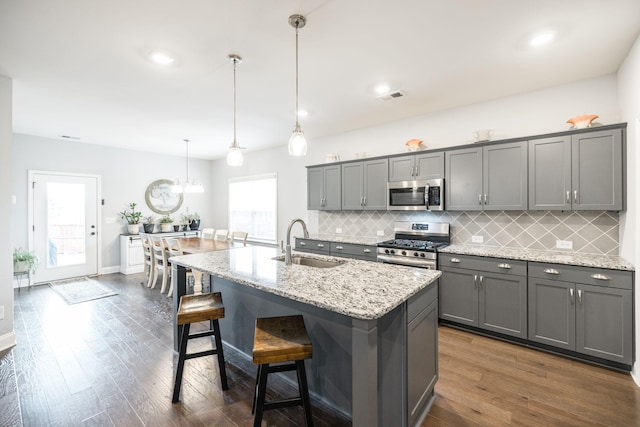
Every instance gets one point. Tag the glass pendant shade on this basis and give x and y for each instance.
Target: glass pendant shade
(234, 156)
(297, 143)
(193, 187)
(176, 187)
(190, 185)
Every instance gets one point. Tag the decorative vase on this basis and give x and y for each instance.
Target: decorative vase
(583, 121)
(176, 228)
(148, 228)
(185, 227)
(133, 228)
(20, 267)
(166, 227)
(414, 144)
(195, 224)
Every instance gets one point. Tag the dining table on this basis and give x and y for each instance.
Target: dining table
(196, 245)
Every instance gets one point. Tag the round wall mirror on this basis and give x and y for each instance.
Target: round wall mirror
(160, 199)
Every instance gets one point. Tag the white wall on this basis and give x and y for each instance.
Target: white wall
(125, 176)
(532, 113)
(629, 94)
(7, 336)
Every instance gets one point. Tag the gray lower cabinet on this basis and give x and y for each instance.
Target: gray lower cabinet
(364, 185)
(422, 340)
(577, 172)
(416, 167)
(345, 250)
(323, 188)
(493, 177)
(487, 293)
(581, 309)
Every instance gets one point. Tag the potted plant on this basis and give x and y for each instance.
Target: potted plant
(132, 217)
(195, 221)
(149, 223)
(166, 224)
(24, 261)
(185, 220)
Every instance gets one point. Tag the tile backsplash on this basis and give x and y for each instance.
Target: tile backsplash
(590, 231)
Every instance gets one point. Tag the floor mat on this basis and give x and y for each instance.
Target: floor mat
(80, 290)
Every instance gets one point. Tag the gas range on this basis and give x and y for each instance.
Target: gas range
(415, 244)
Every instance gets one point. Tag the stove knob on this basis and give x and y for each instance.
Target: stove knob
(422, 255)
(415, 254)
(404, 252)
(386, 251)
(392, 252)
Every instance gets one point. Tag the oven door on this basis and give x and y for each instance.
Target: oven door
(407, 196)
(409, 262)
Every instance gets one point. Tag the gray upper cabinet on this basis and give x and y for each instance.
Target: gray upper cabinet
(493, 177)
(581, 309)
(364, 185)
(416, 167)
(577, 172)
(323, 188)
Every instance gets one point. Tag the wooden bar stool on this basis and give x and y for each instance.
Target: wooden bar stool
(193, 309)
(281, 339)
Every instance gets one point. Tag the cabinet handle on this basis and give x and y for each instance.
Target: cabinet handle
(568, 196)
(417, 170)
(505, 266)
(479, 199)
(366, 251)
(320, 245)
(551, 271)
(580, 296)
(481, 281)
(571, 295)
(599, 276)
(364, 203)
(485, 198)
(475, 281)
(575, 196)
(455, 260)
(361, 198)
(339, 248)
(303, 243)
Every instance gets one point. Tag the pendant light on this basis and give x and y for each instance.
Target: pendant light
(234, 156)
(297, 142)
(189, 186)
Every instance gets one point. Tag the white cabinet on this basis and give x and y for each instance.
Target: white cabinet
(132, 255)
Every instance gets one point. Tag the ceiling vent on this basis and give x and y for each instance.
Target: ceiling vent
(391, 95)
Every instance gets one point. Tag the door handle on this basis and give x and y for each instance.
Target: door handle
(366, 251)
(417, 170)
(575, 196)
(93, 233)
(485, 198)
(479, 199)
(505, 266)
(568, 196)
(320, 245)
(551, 271)
(361, 200)
(571, 295)
(303, 243)
(365, 201)
(475, 281)
(455, 260)
(481, 281)
(599, 276)
(339, 248)
(580, 296)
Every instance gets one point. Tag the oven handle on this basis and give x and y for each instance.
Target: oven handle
(406, 261)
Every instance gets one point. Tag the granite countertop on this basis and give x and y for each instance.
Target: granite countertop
(356, 240)
(556, 257)
(358, 289)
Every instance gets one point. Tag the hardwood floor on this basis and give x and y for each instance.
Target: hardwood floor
(109, 362)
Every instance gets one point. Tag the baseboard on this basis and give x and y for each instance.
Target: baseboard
(7, 341)
(110, 270)
(635, 373)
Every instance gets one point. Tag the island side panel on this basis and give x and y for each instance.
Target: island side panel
(329, 371)
(365, 372)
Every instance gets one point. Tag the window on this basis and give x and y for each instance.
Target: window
(253, 205)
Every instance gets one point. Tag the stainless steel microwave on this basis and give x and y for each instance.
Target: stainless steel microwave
(416, 195)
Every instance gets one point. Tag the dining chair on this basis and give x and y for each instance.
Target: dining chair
(148, 258)
(240, 236)
(175, 249)
(208, 233)
(221, 235)
(160, 264)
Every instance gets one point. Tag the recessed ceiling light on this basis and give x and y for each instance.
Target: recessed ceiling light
(382, 88)
(302, 113)
(161, 58)
(542, 38)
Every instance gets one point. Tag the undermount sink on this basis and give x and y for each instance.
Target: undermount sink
(310, 262)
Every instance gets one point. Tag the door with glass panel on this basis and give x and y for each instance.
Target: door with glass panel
(64, 223)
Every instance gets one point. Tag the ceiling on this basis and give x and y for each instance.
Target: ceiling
(81, 69)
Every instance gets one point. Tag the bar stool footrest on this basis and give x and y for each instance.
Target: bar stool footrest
(284, 403)
(202, 334)
(282, 368)
(200, 354)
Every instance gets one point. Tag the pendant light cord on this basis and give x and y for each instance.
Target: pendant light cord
(235, 142)
(187, 158)
(297, 123)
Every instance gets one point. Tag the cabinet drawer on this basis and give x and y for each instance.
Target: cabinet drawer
(493, 265)
(587, 275)
(311, 245)
(349, 249)
(421, 300)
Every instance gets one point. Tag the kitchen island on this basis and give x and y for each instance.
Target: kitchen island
(373, 326)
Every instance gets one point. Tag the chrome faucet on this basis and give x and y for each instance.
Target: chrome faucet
(287, 253)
